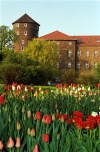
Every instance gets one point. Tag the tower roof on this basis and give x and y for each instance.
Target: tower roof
(25, 19)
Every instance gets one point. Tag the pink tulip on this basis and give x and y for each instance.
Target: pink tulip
(18, 142)
(10, 143)
(1, 145)
(36, 149)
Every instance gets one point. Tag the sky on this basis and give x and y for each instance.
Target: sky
(72, 17)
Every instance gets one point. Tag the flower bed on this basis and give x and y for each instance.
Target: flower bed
(63, 120)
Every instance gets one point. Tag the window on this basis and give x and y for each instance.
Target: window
(95, 64)
(17, 32)
(69, 53)
(57, 43)
(22, 48)
(78, 53)
(57, 65)
(25, 33)
(87, 65)
(70, 43)
(17, 25)
(95, 53)
(80, 40)
(22, 41)
(87, 53)
(25, 25)
(78, 65)
(69, 65)
(98, 40)
(89, 39)
(37, 34)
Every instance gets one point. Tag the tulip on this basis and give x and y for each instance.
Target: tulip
(37, 116)
(28, 131)
(29, 114)
(2, 99)
(1, 145)
(78, 114)
(98, 120)
(98, 85)
(36, 149)
(18, 142)
(10, 143)
(45, 138)
(18, 126)
(69, 121)
(32, 133)
(47, 119)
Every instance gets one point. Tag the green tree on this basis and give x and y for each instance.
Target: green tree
(97, 72)
(43, 52)
(7, 37)
(68, 76)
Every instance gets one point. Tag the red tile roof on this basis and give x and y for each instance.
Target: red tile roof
(25, 19)
(56, 35)
(83, 40)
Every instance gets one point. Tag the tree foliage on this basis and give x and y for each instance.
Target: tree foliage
(7, 37)
(68, 76)
(97, 72)
(43, 52)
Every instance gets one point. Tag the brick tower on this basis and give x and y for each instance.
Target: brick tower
(26, 29)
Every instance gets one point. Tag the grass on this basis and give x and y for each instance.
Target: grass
(35, 87)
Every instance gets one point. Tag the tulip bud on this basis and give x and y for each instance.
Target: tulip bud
(10, 143)
(45, 137)
(36, 149)
(18, 142)
(62, 119)
(53, 117)
(18, 126)
(32, 132)
(1, 145)
(23, 109)
(28, 131)
(29, 114)
(58, 136)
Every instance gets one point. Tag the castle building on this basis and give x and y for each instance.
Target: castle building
(26, 29)
(79, 53)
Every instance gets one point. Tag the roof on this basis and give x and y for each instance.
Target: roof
(25, 19)
(88, 39)
(56, 35)
(82, 40)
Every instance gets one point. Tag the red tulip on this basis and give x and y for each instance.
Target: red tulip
(38, 115)
(47, 119)
(10, 143)
(64, 116)
(2, 99)
(88, 124)
(1, 145)
(78, 114)
(36, 149)
(78, 122)
(45, 138)
(98, 85)
(18, 142)
(58, 116)
(69, 121)
(15, 84)
(98, 120)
